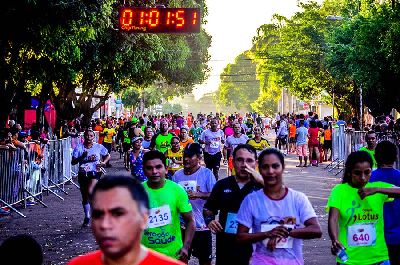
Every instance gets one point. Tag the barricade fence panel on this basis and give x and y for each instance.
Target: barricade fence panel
(25, 174)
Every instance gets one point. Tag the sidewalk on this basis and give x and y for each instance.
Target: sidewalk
(58, 227)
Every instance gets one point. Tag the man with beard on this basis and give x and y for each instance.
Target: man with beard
(118, 225)
(226, 198)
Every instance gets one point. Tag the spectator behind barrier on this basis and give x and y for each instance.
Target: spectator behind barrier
(12, 247)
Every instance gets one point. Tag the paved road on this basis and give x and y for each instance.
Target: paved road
(57, 228)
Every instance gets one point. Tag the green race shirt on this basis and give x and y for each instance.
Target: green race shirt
(163, 142)
(360, 221)
(163, 233)
(372, 154)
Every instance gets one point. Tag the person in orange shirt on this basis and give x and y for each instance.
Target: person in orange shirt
(118, 225)
(99, 128)
(189, 120)
(327, 142)
(184, 137)
(292, 137)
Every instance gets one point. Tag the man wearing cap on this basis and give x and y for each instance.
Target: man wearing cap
(198, 182)
(135, 128)
(225, 199)
(162, 140)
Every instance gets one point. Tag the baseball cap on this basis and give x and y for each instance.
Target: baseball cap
(134, 139)
(193, 149)
(135, 120)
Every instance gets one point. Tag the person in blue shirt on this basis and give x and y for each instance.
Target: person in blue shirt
(386, 155)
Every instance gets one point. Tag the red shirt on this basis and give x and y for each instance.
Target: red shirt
(152, 258)
(313, 132)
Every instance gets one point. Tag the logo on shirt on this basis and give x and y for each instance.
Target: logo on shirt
(227, 191)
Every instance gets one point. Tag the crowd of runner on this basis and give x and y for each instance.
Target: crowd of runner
(175, 199)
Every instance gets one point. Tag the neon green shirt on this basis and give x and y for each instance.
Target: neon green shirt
(163, 142)
(167, 238)
(358, 220)
(372, 154)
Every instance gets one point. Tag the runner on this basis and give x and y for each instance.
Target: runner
(174, 157)
(258, 142)
(162, 140)
(198, 182)
(292, 137)
(168, 201)
(118, 225)
(301, 144)
(195, 131)
(386, 156)
(213, 139)
(108, 133)
(148, 134)
(313, 143)
(225, 199)
(370, 138)
(136, 159)
(279, 216)
(91, 157)
(184, 138)
(230, 145)
(355, 207)
(327, 142)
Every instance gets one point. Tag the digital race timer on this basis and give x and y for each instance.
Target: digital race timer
(159, 20)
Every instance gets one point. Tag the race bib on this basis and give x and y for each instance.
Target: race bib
(84, 168)
(285, 242)
(159, 216)
(231, 223)
(214, 144)
(190, 185)
(361, 235)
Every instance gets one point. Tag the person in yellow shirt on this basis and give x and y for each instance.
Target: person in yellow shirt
(257, 141)
(174, 157)
(108, 134)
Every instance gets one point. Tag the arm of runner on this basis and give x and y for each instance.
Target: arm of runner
(212, 224)
(391, 192)
(243, 235)
(333, 230)
(75, 160)
(311, 230)
(183, 253)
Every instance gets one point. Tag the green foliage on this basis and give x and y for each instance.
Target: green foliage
(239, 86)
(171, 108)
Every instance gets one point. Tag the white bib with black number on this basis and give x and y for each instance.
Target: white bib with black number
(159, 216)
(190, 185)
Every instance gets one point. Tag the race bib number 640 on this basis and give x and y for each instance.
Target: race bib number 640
(361, 235)
(159, 216)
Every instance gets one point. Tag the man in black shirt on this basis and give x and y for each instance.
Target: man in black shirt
(225, 198)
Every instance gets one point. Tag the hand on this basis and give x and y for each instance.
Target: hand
(253, 172)
(336, 247)
(183, 255)
(192, 195)
(99, 165)
(272, 242)
(364, 192)
(215, 227)
(84, 154)
(279, 231)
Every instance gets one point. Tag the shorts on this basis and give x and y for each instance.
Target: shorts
(201, 247)
(85, 177)
(292, 140)
(282, 139)
(328, 144)
(125, 147)
(302, 150)
(212, 161)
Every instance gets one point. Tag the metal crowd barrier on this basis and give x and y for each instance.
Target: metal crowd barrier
(42, 168)
(343, 143)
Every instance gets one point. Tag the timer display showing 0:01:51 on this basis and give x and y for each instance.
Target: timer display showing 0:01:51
(160, 20)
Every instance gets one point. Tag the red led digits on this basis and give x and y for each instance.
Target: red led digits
(194, 21)
(126, 18)
(180, 18)
(154, 18)
(159, 20)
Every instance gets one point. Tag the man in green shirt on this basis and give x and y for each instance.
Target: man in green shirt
(370, 138)
(162, 140)
(168, 201)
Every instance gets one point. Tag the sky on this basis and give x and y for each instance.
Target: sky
(232, 25)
